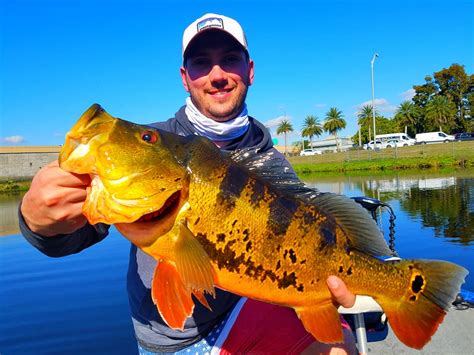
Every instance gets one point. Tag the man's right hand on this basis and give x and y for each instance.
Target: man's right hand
(53, 204)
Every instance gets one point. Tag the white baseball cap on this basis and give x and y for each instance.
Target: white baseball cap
(214, 21)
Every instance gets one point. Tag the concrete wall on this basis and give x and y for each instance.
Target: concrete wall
(23, 166)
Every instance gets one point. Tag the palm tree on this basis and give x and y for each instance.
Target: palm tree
(334, 122)
(407, 115)
(440, 110)
(312, 127)
(366, 118)
(284, 128)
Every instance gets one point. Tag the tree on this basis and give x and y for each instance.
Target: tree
(441, 111)
(333, 123)
(423, 93)
(456, 85)
(312, 127)
(284, 128)
(365, 116)
(407, 116)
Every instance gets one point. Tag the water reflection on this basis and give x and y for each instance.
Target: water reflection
(443, 202)
(9, 217)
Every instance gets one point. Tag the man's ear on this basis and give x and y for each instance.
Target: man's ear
(251, 71)
(182, 71)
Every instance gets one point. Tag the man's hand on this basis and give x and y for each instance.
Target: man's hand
(53, 204)
(340, 294)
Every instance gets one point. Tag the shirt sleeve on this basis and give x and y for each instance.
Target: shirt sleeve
(64, 244)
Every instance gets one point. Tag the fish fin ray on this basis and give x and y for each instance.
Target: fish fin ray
(415, 321)
(323, 322)
(201, 298)
(193, 263)
(361, 230)
(170, 295)
(281, 176)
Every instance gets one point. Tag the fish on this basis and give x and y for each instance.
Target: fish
(213, 219)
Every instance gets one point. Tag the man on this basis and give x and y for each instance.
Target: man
(217, 72)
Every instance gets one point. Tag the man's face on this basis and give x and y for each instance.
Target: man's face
(217, 75)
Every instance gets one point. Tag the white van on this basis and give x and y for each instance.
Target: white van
(433, 137)
(402, 138)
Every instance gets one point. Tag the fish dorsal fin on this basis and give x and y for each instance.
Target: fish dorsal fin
(361, 230)
(271, 167)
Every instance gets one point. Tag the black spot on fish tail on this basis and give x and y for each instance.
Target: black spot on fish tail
(341, 269)
(220, 237)
(282, 210)
(300, 288)
(197, 221)
(278, 265)
(417, 284)
(349, 270)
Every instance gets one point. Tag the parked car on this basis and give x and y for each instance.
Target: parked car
(370, 145)
(401, 137)
(308, 152)
(394, 143)
(433, 137)
(464, 136)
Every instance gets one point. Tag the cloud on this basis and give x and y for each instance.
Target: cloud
(408, 95)
(274, 122)
(320, 105)
(381, 105)
(14, 139)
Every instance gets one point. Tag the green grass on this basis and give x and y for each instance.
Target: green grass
(14, 186)
(429, 156)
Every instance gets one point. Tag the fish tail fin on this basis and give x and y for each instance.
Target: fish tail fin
(432, 287)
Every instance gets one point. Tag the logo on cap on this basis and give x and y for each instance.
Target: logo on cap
(210, 22)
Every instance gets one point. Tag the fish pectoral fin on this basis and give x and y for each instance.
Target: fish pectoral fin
(193, 263)
(170, 295)
(322, 321)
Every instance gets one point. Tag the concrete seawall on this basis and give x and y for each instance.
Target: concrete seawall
(22, 163)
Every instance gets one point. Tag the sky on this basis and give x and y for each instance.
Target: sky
(60, 56)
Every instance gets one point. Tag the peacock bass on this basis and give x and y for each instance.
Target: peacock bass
(212, 219)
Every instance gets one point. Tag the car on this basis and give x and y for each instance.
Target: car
(395, 143)
(433, 137)
(308, 152)
(464, 136)
(370, 145)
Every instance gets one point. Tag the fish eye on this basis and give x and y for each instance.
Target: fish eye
(149, 137)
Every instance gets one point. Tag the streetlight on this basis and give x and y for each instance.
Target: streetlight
(373, 95)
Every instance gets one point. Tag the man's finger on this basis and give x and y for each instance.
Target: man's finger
(340, 292)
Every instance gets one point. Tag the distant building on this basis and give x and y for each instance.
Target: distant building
(329, 144)
(291, 149)
(22, 163)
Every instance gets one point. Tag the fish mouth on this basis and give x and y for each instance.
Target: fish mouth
(169, 207)
(144, 231)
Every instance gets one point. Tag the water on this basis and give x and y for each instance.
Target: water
(78, 304)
